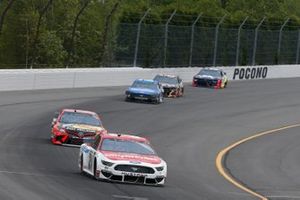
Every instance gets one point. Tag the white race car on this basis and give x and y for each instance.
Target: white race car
(122, 158)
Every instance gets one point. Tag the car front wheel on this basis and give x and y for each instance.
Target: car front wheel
(81, 164)
(159, 99)
(96, 175)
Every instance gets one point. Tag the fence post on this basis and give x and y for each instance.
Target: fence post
(166, 37)
(138, 37)
(255, 40)
(298, 48)
(280, 39)
(238, 42)
(216, 39)
(192, 39)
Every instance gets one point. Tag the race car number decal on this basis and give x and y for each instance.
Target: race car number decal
(133, 174)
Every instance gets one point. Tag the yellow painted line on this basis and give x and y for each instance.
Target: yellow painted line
(222, 153)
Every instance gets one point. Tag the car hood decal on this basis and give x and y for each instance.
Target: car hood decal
(205, 76)
(143, 90)
(167, 85)
(151, 159)
(82, 127)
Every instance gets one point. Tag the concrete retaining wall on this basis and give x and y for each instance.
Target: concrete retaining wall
(87, 77)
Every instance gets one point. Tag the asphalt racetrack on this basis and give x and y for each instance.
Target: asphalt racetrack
(187, 132)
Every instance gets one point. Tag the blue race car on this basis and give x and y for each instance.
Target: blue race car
(145, 90)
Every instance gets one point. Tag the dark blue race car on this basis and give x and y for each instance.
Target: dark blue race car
(145, 90)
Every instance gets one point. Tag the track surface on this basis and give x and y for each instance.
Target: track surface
(187, 132)
(272, 163)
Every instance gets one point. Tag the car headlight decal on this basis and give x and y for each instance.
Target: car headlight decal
(161, 168)
(106, 163)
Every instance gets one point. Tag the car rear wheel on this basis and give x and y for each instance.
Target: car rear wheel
(127, 99)
(160, 99)
(225, 85)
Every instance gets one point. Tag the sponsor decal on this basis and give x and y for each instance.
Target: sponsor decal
(133, 158)
(83, 128)
(134, 174)
(135, 162)
(250, 73)
(85, 149)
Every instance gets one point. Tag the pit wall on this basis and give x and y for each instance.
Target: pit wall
(34, 79)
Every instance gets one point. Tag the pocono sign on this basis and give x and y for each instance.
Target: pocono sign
(250, 73)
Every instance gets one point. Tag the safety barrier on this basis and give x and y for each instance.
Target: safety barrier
(99, 77)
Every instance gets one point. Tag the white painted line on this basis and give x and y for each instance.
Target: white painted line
(23, 173)
(31, 174)
(284, 197)
(128, 197)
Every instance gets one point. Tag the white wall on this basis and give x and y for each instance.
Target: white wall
(87, 77)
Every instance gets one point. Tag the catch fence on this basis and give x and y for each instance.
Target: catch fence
(171, 45)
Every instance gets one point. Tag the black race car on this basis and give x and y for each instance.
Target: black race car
(210, 77)
(172, 85)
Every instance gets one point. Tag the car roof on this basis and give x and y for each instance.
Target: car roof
(125, 137)
(167, 75)
(147, 81)
(79, 111)
(212, 69)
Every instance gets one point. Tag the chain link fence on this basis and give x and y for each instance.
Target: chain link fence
(163, 45)
(200, 42)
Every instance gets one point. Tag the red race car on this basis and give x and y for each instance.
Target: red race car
(74, 127)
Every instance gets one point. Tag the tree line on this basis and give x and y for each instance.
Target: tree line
(83, 33)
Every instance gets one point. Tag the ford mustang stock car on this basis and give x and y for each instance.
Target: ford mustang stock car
(71, 126)
(145, 90)
(210, 77)
(172, 85)
(122, 158)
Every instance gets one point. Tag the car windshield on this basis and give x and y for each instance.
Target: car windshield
(80, 118)
(127, 146)
(144, 84)
(207, 72)
(166, 79)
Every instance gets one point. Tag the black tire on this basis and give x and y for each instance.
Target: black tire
(225, 85)
(95, 170)
(81, 164)
(159, 99)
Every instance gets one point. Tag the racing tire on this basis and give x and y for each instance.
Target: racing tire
(159, 99)
(127, 99)
(182, 91)
(95, 170)
(225, 85)
(81, 164)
